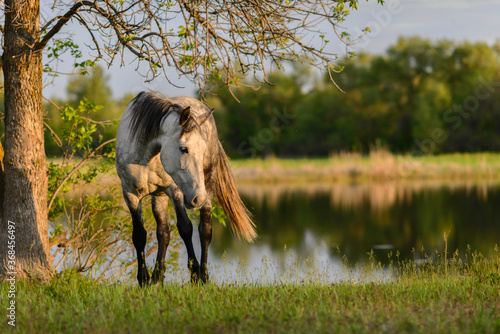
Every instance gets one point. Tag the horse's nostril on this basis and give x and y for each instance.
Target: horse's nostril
(194, 201)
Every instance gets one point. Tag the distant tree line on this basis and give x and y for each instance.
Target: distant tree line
(420, 97)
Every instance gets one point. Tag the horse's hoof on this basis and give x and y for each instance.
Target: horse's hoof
(158, 277)
(144, 279)
(195, 278)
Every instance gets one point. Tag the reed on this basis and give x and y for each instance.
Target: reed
(379, 165)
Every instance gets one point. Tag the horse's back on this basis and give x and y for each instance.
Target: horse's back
(197, 107)
(138, 165)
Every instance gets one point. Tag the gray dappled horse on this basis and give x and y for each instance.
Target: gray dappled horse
(169, 147)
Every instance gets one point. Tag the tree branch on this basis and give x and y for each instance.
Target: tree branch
(77, 167)
(213, 36)
(60, 23)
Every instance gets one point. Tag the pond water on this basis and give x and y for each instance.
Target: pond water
(308, 229)
(319, 232)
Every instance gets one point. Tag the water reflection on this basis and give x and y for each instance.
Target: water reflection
(379, 195)
(316, 221)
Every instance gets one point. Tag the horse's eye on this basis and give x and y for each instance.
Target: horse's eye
(184, 150)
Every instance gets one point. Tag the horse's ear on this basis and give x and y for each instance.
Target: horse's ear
(185, 116)
(205, 116)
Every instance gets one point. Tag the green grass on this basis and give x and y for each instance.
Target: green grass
(463, 297)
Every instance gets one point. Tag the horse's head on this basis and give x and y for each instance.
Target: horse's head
(183, 153)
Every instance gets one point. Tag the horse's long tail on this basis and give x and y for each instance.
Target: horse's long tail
(230, 201)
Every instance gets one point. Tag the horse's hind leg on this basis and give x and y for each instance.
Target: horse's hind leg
(205, 229)
(139, 236)
(160, 211)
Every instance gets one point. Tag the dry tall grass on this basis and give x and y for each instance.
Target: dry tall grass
(378, 165)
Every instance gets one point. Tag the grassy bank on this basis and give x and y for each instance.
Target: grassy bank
(453, 305)
(457, 298)
(379, 165)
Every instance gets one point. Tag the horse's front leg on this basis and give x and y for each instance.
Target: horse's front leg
(185, 228)
(160, 212)
(139, 236)
(205, 229)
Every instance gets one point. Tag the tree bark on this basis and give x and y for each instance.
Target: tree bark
(1, 182)
(25, 175)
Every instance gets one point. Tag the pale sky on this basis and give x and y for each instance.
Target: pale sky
(459, 20)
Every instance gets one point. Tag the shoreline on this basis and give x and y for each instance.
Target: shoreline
(379, 167)
(352, 169)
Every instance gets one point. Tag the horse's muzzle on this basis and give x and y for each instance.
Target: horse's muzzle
(195, 203)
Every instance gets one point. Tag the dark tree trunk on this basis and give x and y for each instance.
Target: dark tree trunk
(25, 176)
(1, 182)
